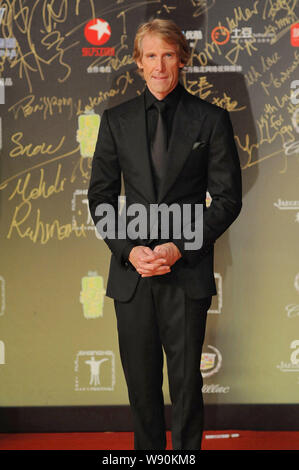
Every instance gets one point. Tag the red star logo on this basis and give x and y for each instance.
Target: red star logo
(97, 31)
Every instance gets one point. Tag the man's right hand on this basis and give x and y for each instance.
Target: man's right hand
(147, 262)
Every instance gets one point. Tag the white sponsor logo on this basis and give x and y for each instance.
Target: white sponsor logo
(95, 371)
(3, 83)
(246, 34)
(215, 388)
(193, 34)
(210, 362)
(293, 365)
(288, 205)
(293, 309)
(99, 69)
(212, 68)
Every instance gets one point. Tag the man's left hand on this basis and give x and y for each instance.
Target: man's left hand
(169, 251)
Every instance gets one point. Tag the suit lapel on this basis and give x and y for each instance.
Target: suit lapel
(135, 124)
(184, 133)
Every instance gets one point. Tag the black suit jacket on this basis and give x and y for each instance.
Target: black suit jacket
(202, 156)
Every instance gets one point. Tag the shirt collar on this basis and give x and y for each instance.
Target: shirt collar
(171, 99)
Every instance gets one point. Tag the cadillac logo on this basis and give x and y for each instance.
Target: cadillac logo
(210, 362)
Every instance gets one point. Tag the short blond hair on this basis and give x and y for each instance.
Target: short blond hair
(168, 31)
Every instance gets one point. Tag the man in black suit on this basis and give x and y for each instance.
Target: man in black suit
(162, 288)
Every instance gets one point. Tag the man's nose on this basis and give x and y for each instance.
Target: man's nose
(160, 64)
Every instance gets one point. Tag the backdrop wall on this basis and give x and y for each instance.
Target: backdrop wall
(62, 63)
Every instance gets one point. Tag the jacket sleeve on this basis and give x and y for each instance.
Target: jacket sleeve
(224, 184)
(104, 190)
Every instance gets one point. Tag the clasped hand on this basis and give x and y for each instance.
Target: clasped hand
(158, 261)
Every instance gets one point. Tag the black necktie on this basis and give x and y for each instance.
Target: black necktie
(159, 143)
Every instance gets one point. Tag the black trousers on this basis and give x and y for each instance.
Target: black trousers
(158, 316)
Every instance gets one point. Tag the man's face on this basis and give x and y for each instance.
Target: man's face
(160, 64)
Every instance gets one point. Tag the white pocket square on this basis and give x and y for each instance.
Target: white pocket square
(197, 144)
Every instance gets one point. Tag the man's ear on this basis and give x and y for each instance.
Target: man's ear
(140, 68)
(139, 63)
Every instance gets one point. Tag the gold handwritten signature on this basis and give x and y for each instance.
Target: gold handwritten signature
(41, 190)
(22, 217)
(283, 75)
(254, 76)
(42, 231)
(47, 105)
(204, 89)
(5, 182)
(51, 105)
(34, 55)
(30, 150)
